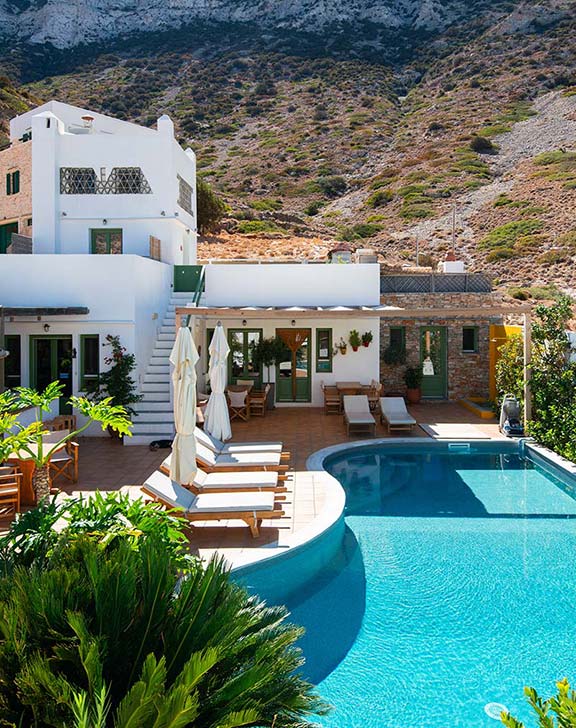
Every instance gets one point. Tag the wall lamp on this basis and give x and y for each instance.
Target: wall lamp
(46, 327)
(104, 222)
(244, 322)
(293, 322)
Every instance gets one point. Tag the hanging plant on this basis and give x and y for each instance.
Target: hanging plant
(354, 340)
(367, 337)
(341, 347)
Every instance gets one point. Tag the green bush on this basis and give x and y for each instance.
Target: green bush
(360, 231)
(210, 208)
(331, 186)
(506, 235)
(502, 253)
(256, 226)
(380, 198)
(107, 629)
(482, 145)
(553, 256)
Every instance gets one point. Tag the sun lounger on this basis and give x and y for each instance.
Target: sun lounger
(218, 447)
(222, 482)
(395, 415)
(230, 461)
(357, 414)
(248, 507)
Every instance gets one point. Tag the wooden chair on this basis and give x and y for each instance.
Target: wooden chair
(62, 422)
(247, 383)
(258, 401)
(10, 485)
(64, 462)
(332, 402)
(373, 392)
(238, 404)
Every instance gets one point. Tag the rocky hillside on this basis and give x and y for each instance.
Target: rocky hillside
(373, 123)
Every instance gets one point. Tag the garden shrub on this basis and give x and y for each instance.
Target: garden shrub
(210, 208)
(257, 226)
(482, 145)
(331, 185)
(506, 235)
(380, 198)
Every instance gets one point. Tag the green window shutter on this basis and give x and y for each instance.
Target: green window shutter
(8, 184)
(15, 182)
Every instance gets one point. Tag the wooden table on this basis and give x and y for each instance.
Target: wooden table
(26, 465)
(348, 388)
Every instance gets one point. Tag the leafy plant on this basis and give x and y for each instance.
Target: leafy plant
(354, 339)
(116, 637)
(509, 367)
(29, 439)
(559, 711)
(117, 382)
(210, 208)
(269, 352)
(413, 377)
(367, 338)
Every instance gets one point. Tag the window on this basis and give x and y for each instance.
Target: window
(12, 363)
(89, 360)
(121, 181)
(13, 183)
(77, 181)
(106, 242)
(242, 362)
(323, 350)
(470, 339)
(185, 195)
(398, 338)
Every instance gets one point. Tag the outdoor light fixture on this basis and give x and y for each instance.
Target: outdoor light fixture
(104, 222)
(74, 352)
(163, 213)
(64, 214)
(46, 328)
(293, 322)
(243, 322)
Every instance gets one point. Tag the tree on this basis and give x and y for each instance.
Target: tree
(510, 368)
(118, 382)
(108, 629)
(210, 208)
(558, 711)
(29, 439)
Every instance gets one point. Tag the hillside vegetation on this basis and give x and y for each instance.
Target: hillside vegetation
(367, 136)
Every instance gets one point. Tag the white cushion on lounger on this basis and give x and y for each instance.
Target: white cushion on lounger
(160, 485)
(217, 446)
(170, 492)
(258, 459)
(357, 409)
(394, 411)
(219, 502)
(229, 481)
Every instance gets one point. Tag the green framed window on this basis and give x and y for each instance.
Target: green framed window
(324, 350)
(398, 338)
(13, 363)
(89, 360)
(106, 242)
(13, 182)
(242, 361)
(470, 339)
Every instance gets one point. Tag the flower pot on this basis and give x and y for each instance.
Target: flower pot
(343, 350)
(354, 348)
(413, 395)
(366, 344)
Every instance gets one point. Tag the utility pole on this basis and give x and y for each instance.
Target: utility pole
(454, 230)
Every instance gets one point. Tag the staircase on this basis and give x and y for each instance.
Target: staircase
(154, 419)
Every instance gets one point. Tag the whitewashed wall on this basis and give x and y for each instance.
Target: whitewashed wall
(362, 365)
(61, 223)
(293, 285)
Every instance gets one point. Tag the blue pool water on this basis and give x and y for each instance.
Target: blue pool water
(455, 586)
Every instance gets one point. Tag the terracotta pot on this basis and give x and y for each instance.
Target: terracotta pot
(343, 350)
(354, 348)
(413, 395)
(366, 344)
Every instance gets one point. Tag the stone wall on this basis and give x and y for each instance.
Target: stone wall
(468, 373)
(18, 207)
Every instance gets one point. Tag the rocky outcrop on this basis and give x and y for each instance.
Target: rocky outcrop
(66, 23)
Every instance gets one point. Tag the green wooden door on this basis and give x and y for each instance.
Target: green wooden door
(434, 361)
(50, 361)
(293, 375)
(6, 235)
(186, 278)
(242, 363)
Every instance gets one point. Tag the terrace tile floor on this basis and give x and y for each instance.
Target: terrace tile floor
(105, 464)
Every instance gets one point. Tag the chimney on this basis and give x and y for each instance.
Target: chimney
(87, 121)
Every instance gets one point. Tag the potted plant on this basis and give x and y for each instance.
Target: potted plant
(354, 340)
(267, 353)
(367, 337)
(117, 383)
(413, 380)
(341, 346)
(15, 437)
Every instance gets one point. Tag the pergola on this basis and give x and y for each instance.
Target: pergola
(205, 313)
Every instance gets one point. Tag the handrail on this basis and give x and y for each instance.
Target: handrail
(199, 287)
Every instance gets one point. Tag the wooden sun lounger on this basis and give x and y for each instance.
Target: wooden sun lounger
(357, 414)
(395, 415)
(218, 447)
(251, 508)
(238, 461)
(229, 482)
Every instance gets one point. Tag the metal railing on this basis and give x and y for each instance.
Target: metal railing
(436, 283)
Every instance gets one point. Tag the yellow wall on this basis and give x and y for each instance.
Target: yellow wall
(498, 336)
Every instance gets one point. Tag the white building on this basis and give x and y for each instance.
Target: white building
(104, 213)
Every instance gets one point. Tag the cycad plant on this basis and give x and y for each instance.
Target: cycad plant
(15, 437)
(117, 633)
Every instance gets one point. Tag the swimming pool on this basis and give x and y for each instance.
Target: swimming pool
(453, 588)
